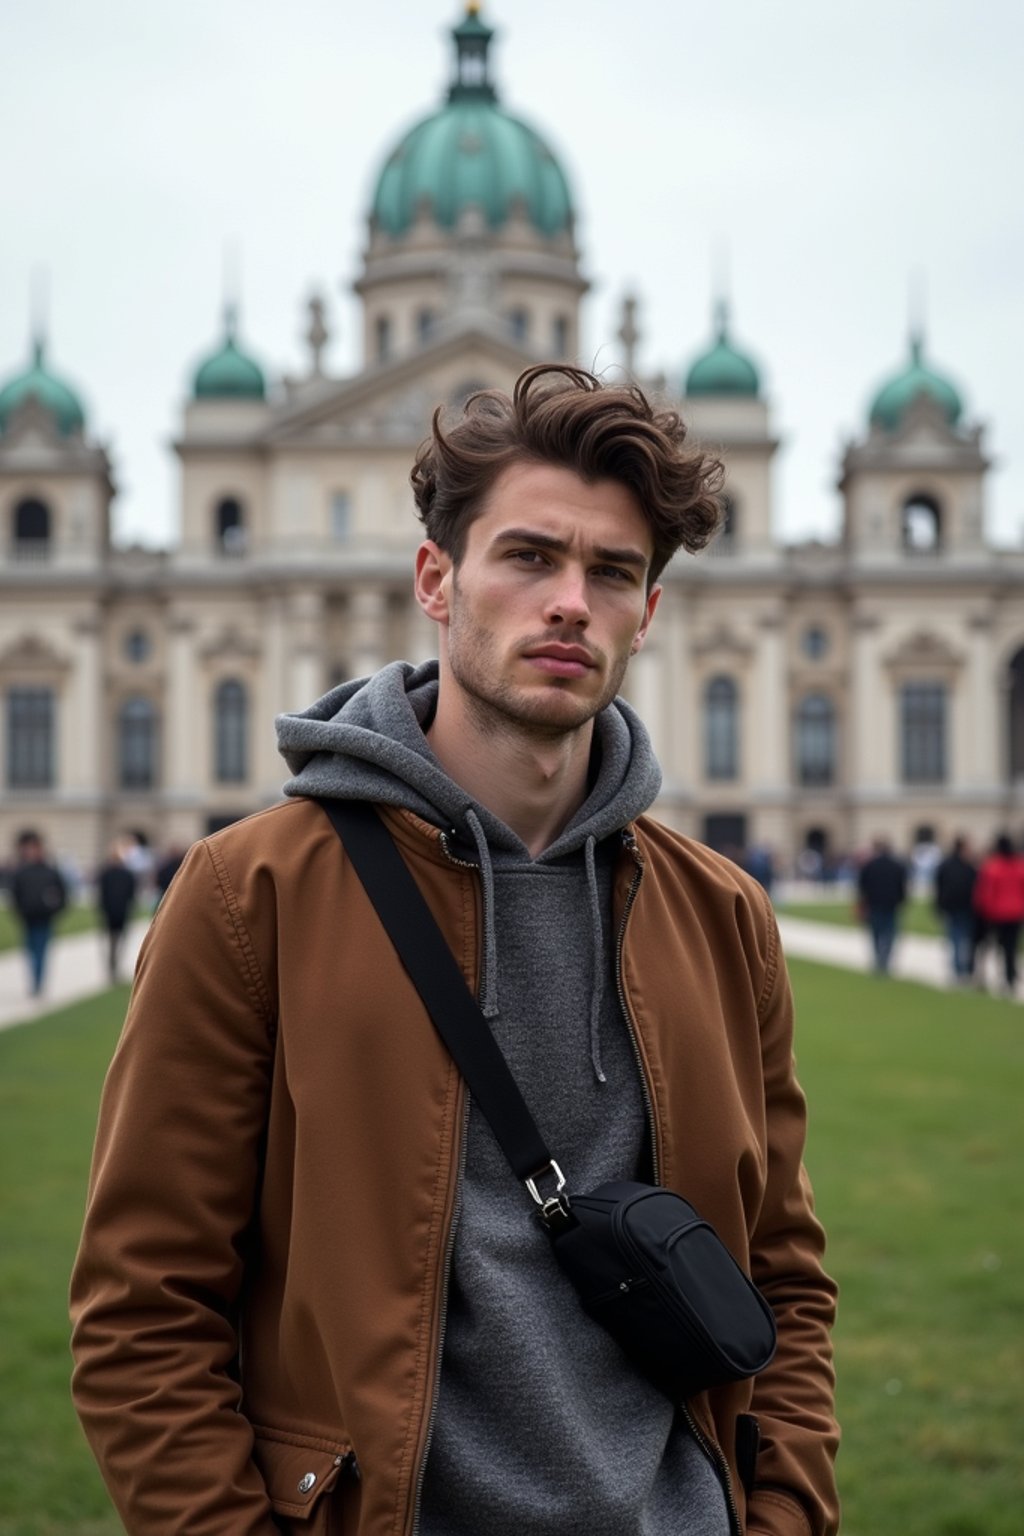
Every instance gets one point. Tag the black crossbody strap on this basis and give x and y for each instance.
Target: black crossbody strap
(432, 967)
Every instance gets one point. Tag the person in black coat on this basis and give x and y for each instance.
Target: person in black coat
(38, 895)
(882, 886)
(115, 892)
(955, 879)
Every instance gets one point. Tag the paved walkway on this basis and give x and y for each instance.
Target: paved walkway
(77, 966)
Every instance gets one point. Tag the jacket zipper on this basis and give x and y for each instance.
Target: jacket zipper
(714, 1454)
(711, 1450)
(638, 873)
(446, 1268)
(446, 1273)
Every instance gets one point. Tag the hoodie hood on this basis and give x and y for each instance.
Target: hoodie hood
(366, 740)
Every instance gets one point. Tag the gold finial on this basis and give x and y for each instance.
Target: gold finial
(472, 7)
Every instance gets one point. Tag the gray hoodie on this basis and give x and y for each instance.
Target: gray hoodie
(540, 1424)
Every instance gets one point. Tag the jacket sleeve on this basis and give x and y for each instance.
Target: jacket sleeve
(794, 1493)
(172, 1193)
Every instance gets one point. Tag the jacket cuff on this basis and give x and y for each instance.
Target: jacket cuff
(770, 1512)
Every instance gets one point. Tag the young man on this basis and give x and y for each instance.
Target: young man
(311, 1295)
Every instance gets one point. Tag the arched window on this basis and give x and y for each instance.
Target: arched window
(231, 732)
(814, 642)
(138, 646)
(921, 525)
(560, 337)
(229, 526)
(923, 732)
(31, 731)
(815, 741)
(31, 530)
(382, 334)
(1016, 722)
(426, 326)
(518, 322)
(721, 728)
(137, 725)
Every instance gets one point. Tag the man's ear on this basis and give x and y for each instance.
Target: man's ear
(433, 580)
(653, 598)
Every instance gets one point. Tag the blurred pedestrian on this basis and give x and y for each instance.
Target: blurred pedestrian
(955, 878)
(39, 896)
(882, 887)
(166, 869)
(999, 904)
(116, 886)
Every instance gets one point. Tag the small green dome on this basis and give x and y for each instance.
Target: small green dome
(892, 400)
(472, 153)
(228, 374)
(53, 395)
(723, 370)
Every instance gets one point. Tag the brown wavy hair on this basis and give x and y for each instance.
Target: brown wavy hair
(565, 416)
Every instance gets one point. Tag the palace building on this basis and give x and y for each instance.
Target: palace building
(798, 696)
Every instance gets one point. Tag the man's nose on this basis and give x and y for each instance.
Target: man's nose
(568, 602)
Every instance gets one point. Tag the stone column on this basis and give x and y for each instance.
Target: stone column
(976, 727)
(84, 724)
(367, 636)
(766, 726)
(305, 648)
(186, 716)
(870, 695)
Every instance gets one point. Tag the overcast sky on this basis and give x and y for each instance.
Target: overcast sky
(838, 152)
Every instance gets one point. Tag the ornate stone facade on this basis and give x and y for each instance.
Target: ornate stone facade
(812, 695)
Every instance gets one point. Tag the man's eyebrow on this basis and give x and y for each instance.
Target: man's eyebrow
(627, 556)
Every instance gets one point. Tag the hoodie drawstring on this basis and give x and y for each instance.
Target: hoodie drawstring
(597, 982)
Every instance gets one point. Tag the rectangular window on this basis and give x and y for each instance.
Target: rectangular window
(30, 738)
(923, 732)
(341, 517)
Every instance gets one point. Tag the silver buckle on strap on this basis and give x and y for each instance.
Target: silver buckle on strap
(531, 1184)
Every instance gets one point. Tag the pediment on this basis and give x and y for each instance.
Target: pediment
(32, 653)
(724, 642)
(924, 648)
(395, 402)
(230, 644)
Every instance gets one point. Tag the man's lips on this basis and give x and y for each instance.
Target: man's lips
(561, 660)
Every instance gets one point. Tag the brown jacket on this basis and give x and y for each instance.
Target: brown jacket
(258, 1297)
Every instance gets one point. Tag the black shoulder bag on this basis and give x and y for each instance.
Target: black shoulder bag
(646, 1266)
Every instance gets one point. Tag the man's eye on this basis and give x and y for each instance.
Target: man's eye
(616, 572)
(528, 556)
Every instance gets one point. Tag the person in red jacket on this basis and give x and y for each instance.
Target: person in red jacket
(999, 903)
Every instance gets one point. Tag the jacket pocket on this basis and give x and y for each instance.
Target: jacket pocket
(303, 1476)
(748, 1442)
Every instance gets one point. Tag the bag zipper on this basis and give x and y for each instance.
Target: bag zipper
(629, 841)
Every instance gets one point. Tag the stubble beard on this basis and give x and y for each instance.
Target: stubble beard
(547, 713)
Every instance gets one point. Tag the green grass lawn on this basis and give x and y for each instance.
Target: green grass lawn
(916, 1150)
(918, 916)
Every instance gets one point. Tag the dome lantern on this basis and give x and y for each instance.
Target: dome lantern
(472, 42)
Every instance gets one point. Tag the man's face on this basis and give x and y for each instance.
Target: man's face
(548, 602)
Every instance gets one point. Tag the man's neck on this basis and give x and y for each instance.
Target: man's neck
(535, 784)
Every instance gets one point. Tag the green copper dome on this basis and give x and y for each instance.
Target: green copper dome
(38, 383)
(723, 370)
(892, 400)
(472, 153)
(228, 374)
